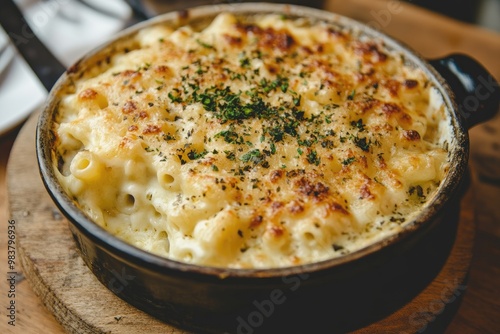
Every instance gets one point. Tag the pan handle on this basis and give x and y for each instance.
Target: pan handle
(477, 93)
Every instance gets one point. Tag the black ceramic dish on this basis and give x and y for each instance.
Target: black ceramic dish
(229, 300)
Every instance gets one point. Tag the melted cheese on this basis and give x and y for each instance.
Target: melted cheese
(252, 143)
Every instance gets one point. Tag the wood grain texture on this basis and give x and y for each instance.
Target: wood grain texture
(32, 316)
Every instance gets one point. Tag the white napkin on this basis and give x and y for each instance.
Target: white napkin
(69, 29)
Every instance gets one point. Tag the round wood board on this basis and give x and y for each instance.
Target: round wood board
(82, 304)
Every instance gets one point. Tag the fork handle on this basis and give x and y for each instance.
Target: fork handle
(46, 66)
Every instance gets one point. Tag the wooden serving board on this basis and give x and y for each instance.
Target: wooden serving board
(82, 304)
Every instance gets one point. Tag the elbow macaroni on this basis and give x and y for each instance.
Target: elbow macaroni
(252, 143)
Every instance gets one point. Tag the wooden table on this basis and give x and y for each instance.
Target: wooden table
(433, 36)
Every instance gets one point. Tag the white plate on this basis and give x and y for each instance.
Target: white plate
(6, 55)
(56, 23)
(20, 91)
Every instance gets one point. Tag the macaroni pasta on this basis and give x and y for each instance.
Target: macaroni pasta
(252, 143)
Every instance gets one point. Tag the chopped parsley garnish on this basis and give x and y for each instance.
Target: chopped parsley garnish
(268, 85)
(245, 62)
(230, 137)
(276, 133)
(205, 45)
(207, 101)
(351, 96)
(280, 121)
(230, 155)
(174, 98)
(168, 137)
(193, 155)
(254, 156)
(362, 144)
(296, 101)
(348, 161)
(327, 144)
(273, 148)
(358, 124)
(312, 158)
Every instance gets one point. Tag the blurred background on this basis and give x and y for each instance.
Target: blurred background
(482, 12)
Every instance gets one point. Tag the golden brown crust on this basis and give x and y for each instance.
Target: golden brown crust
(253, 143)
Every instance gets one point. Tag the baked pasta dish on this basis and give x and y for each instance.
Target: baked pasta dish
(257, 141)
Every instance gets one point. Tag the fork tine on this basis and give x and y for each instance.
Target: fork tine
(138, 9)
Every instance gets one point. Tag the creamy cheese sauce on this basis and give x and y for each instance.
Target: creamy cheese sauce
(252, 143)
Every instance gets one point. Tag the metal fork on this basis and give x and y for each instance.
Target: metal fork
(138, 11)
